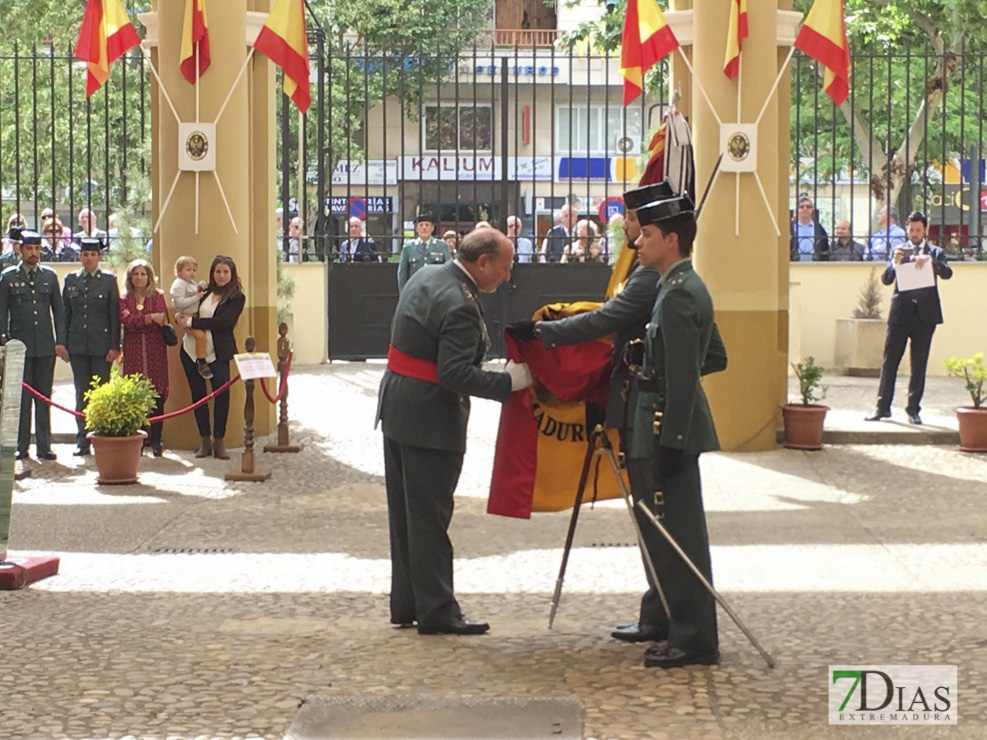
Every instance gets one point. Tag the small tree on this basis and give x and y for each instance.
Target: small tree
(809, 375)
(974, 372)
(869, 302)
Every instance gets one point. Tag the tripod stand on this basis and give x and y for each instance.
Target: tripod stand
(605, 447)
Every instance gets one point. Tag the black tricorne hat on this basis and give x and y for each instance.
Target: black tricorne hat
(91, 244)
(30, 237)
(648, 194)
(663, 210)
(425, 217)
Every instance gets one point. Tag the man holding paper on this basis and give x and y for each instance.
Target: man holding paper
(915, 269)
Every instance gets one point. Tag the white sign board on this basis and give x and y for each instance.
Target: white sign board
(371, 172)
(254, 365)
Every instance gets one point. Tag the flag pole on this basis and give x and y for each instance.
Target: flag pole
(167, 201)
(774, 87)
(164, 91)
(233, 86)
(699, 84)
(222, 194)
(736, 175)
(767, 203)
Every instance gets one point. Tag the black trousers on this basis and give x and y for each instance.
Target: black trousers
(197, 386)
(920, 336)
(84, 367)
(692, 625)
(39, 373)
(420, 486)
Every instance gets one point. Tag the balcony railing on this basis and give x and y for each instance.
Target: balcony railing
(523, 38)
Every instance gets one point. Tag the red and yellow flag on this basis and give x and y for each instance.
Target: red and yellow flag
(736, 33)
(195, 38)
(823, 37)
(285, 43)
(105, 36)
(647, 39)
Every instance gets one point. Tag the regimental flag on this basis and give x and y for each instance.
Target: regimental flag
(285, 43)
(647, 39)
(105, 36)
(195, 38)
(823, 37)
(654, 170)
(736, 33)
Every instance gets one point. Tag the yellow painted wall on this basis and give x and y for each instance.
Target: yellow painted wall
(309, 328)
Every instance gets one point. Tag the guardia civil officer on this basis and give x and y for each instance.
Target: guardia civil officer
(425, 250)
(438, 340)
(625, 316)
(673, 425)
(31, 310)
(92, 316)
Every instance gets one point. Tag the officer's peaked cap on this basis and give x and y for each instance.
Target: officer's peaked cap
(91, 244)
(648, 194)
(30, 237)
(663, 210)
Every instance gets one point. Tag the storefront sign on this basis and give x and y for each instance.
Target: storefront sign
(371, 172)
(361, 206)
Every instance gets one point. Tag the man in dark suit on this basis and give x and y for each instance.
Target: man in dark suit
(31, 310)
(625, 316)
(92, 316)
(809, 241)
(913, 317)
(672, 426)
(560, 235)
(438, 341)
(358, 248)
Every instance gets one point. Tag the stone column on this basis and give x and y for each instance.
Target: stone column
(747, 273)
(244, 147)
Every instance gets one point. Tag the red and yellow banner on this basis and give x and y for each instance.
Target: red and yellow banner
(195, 40)
(284, 41)
(823, 37)
(736, 33)
(105, 36)
(646, 40)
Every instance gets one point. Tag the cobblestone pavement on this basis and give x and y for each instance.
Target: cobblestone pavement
(858, 554)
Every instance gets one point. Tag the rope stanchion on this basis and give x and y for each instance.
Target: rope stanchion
(284, 366)
(42, 397)
(247, 471)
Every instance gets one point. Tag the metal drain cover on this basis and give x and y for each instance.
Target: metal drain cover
(192, 551)
(417, 718)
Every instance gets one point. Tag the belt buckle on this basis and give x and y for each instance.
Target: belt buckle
(656, 424)
(659, 504)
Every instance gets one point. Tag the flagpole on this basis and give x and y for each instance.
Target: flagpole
(222, 194)
(767, 203)
(196, 201)
(164, 91)
(197, 76)
(167, 201)
(233, 86)
(736, 175)
(774, 87)
(702, 90)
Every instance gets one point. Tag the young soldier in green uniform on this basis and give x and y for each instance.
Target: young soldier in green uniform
(92, 315)
(673, 425)
(29, 302)
(425, 250)
(438, 340)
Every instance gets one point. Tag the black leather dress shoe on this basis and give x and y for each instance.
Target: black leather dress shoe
(462, 626)
(81, 452)
(878, 415)
(915, 419)
(637, 632)
(670, 657)
(47, 455)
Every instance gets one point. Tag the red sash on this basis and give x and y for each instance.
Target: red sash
(412, 367)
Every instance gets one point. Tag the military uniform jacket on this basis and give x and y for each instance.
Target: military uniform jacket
(28, 307)
(439, 319)
(416, 254)
(921, 305)
(676, 345)
(625, 316)
(92, 313)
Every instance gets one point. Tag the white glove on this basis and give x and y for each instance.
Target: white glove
(520, 375)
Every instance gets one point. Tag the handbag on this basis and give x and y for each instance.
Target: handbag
(168, 332)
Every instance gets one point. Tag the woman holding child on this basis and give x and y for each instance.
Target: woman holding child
(218, 311)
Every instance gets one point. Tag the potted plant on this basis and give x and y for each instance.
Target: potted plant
(804, 421)
(116, 413)
(860, 340)
(972, 420)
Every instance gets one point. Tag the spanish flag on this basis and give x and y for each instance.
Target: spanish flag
(736, 33)
(647, 39)
(195, 37)
(285, 43)
(105, 36)
(823, 37)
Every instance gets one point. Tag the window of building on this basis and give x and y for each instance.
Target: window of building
(581, 129)
(451, 128)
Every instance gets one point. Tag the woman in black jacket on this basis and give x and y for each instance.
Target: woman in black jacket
(219, 309)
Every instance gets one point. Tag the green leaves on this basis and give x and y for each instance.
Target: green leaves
(809, 375)
(974, 372)
(120, 407)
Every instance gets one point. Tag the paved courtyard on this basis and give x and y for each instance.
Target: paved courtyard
(190, 607)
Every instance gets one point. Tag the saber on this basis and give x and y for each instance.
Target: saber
(709, 586)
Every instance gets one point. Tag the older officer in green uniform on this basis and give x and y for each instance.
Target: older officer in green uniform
(438, 340)
(625, 316)
(29, 303)
(425, 250)
(92, 315)
(673, 425)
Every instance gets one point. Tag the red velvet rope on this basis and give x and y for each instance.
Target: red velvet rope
(284, 381)
(154, 419)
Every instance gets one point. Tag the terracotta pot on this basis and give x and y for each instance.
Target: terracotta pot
(973, 428)
(804, 425)
(117, 458)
